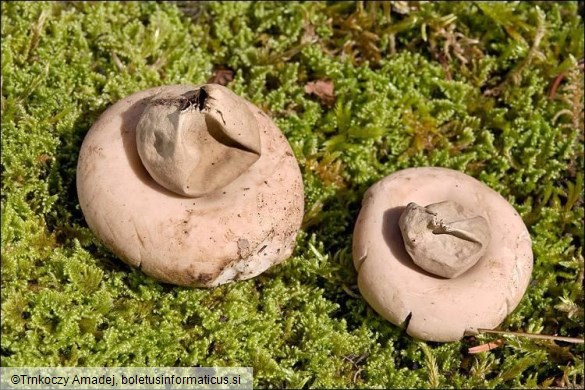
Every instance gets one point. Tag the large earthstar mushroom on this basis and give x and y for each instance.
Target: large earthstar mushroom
(192, 184)
(440, 253)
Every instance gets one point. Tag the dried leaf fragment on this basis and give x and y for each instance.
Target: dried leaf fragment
(323, 89)
(221, 76)
(486, 347)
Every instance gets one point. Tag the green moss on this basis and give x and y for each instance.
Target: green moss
(458, 85)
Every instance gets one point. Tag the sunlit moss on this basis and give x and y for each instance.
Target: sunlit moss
(458, 85)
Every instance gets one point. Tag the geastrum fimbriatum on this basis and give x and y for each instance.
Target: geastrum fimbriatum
(192, 184)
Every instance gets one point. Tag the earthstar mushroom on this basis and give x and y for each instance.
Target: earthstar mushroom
(192, 184)
(440, 253)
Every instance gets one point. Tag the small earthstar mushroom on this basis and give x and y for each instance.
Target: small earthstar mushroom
(457, 264)
(192, 184)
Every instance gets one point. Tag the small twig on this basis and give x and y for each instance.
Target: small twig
(515, 74)
(36, 35)
(355, 364)
(573, 340)
(559, 78)
(356, 374)
(117, 62)
(486, 347)
(566, 111)
(349, 292)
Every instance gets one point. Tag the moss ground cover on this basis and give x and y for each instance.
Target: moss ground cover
(492, 89)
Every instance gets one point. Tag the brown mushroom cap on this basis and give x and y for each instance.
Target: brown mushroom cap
(432, 307)
(231, 232)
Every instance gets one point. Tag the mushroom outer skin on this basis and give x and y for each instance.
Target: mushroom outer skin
(428, 306)
(235, 232)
